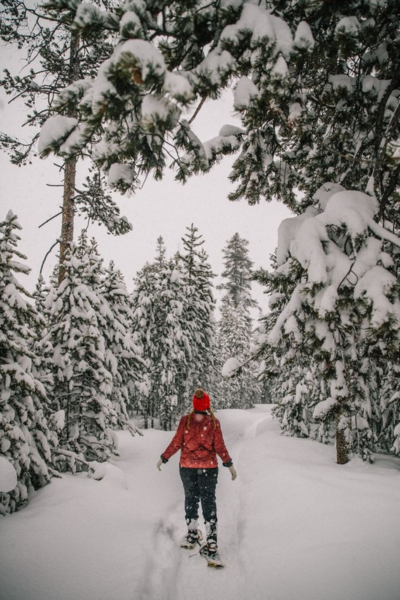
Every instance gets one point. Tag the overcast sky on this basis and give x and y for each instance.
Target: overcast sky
(163, 208)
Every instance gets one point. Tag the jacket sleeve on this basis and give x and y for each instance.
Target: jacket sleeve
(177, 441)
(220, 448)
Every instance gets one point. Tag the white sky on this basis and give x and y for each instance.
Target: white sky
(161, 208)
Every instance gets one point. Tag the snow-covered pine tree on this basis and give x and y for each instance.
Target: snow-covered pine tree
(343, 312)
(160, 304)
(40, 294)
(198, 317)
(235, 336)
(175, 345)
(122, 354)
(43, 364)
(237, 272)
(287, 374)
(144, 326)
(26, 440)
(76, 342)
(234, 339)
(385, 407)
(161, 252)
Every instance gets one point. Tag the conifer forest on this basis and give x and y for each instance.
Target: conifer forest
(112, 89)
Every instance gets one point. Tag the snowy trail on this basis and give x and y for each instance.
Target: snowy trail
(174, 573)
(293, 526)
(195, 580)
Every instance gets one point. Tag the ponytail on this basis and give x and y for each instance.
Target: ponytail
(214, 420)
(189, 418)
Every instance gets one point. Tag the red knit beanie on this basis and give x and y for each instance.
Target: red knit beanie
(201, 400)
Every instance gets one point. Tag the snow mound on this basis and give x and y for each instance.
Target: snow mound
(229, 368)
(109, 473)
(8, 475)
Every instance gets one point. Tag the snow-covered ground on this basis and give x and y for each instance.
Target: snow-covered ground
(293, 526)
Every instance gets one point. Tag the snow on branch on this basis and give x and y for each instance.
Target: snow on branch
(337, 247)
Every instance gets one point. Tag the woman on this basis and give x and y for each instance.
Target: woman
(199, 437)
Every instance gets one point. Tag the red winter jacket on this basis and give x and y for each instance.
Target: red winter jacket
(199, 445)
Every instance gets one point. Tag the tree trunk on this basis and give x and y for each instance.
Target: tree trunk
(67, 225)
(341, 443)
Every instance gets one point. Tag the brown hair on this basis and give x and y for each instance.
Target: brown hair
(190, 415)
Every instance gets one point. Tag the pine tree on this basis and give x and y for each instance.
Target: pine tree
(174, 346)
(235, 336)
(26, 440)
(122, 354)
(144, 326)
(40, 294)
(42, 362)
(161, 251)
(234, 339)
(385, 406)
(339, 318)
(288, 375)
(161, 329)
(83, 363)
(198, 317)
(237, 272)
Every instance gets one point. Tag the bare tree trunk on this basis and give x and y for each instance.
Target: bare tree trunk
(67, 225)
(341, 444)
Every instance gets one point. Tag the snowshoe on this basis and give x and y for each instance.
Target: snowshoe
(210, 553)
(193, 537)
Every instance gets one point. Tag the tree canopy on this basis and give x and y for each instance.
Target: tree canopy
(316, 85)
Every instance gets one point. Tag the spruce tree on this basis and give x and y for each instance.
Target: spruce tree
(161, 329)
(235, 335)
(26, 440)
(144, 327)
(122, 354)
(198, 318)
(237, 272)
(79, 341)
(338, 320)
(161, 251)
(234, 339)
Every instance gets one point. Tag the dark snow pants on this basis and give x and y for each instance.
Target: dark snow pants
(200, 484)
